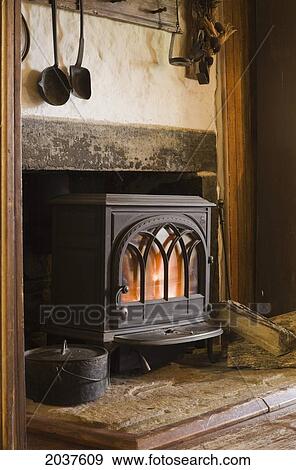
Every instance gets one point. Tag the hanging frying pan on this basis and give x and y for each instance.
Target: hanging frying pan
(54, 86)
(25, 39)
(80, 76)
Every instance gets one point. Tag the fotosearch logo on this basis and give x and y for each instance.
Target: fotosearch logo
(229, 314)
(96, 315)
(76, 315)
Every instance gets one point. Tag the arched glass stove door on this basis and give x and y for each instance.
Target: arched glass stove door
(164, 266)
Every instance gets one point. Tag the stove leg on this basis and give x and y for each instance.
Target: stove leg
(210, 349)
(222, 353)
(111, 348)
(145, 363)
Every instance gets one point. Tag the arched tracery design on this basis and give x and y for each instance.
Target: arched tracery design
(165, 261)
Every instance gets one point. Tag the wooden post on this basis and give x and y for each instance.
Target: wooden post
(12, 393)
(237, 113)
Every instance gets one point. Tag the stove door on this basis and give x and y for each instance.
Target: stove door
(160, 272)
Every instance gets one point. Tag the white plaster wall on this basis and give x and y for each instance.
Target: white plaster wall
(131, 79)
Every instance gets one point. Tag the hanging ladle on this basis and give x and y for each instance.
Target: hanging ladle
(54, 86)
(80, 76)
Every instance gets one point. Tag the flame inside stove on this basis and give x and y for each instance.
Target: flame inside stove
(155, 269)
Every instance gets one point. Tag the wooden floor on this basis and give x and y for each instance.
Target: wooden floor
(273, 431)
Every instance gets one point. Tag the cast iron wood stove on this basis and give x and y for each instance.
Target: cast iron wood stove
(131, 268)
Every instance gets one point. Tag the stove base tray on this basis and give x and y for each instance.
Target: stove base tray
(170, 335)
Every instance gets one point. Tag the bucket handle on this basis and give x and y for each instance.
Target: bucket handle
(81, 376)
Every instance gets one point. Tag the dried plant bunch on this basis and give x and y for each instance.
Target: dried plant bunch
(215, 33)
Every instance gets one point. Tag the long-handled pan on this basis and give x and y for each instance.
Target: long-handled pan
(80, 76)
(54, 86)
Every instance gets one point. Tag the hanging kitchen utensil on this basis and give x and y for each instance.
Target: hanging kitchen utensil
(203, 75)
(25, 39)
(197, 50)
(221, 214)
(196, 53)
(54, 86)
(177, 61)
(67, 375)
(80, 76)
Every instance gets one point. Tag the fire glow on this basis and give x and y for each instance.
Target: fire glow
(154, 270)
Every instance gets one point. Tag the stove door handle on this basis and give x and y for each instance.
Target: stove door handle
(123, 310)
(122, 290)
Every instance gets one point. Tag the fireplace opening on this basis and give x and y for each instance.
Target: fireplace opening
(40, 187)
(153, 271)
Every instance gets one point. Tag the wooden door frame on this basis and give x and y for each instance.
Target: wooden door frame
(12, 391)
(237, 123)
(239, 178)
